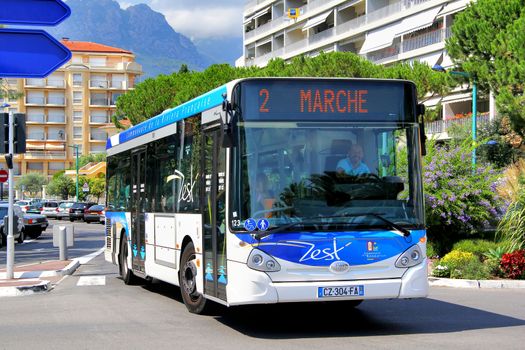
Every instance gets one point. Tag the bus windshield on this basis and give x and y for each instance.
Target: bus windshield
(322, 174)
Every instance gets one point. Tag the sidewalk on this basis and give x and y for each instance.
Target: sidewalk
(34, 278)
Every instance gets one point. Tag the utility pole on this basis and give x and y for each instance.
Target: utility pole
(10, 213)
(76, 166)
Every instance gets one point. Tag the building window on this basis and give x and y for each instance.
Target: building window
(77, 116)
(77, 79)
(56, 166)
(77, 97)
(39, 166)
(77, 133)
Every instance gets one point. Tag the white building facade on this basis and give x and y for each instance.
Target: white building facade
(382, 31)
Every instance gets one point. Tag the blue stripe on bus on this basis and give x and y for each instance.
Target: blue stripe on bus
(170, 116)
(323, 248)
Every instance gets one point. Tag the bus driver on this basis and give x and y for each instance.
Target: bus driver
(353, 164)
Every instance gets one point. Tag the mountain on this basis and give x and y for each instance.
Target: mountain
(158, 47)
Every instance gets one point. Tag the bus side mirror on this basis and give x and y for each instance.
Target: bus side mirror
(420, 110)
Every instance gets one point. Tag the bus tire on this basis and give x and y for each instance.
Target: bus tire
(125, 272)
(195, 302)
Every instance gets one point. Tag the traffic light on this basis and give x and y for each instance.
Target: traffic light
(20, 133)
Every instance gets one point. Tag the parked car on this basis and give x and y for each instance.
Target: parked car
(33, 209)
(93, 213)
(76, 212)
(18, 231)
(50, 209)
(24, 205)
(63, 210)
(35, 224)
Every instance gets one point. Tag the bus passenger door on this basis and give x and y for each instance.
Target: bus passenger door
(138, 204)
(213, 205)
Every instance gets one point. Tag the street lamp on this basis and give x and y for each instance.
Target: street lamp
(76, 165)
(439, 68)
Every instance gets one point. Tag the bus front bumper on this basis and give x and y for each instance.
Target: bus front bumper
(257, 288)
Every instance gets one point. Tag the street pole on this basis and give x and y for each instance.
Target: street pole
(10, 213)
(76, 164)
(474, 122)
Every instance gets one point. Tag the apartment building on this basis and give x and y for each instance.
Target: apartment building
(382, 31)
(72, 107)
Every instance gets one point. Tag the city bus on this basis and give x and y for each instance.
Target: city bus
(274, 190)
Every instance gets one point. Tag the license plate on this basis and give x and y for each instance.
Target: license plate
(347, 291)
(44, 225)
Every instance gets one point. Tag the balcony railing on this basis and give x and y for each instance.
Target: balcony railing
(266, 27)
(41, 136)
(35, 100)
(94, 119)
(99, 102)
(42, 118)
(420, 41)
(102, 84)
(49, 82)
(440, 126)
(98, 136)
(45, 154)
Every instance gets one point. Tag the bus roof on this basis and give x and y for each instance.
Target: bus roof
(206, 101)
(199, 104)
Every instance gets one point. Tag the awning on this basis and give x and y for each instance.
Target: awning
(467, 96)
(247, 20)
(262, 12)
(379, 38)
(34, 146)
(419, 21)
(348, 4)
(315, 21)
(455, 6)
(431, 59)
(431, 102)
(53, 147)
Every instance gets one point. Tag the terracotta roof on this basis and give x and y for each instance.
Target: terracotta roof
(85, 46)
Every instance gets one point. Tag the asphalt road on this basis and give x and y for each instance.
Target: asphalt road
(88, 239)
(93, 309)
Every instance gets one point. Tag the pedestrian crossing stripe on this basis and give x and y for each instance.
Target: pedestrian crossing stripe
(91, 281)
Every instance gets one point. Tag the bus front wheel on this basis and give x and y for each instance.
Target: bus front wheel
(195, 302)
(125, 271)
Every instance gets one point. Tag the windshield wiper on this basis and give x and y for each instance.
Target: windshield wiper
(392, 225)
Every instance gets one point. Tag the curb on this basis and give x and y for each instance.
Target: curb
(41, 286)
(479, 284)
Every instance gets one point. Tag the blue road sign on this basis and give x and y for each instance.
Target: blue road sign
(28, 53)
(33, 12)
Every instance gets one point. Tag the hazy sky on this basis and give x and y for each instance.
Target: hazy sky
(199, 19)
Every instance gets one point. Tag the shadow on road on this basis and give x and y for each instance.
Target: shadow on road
(337, 319)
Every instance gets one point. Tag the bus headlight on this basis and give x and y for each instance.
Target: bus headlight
(260, 261)
(411, 257)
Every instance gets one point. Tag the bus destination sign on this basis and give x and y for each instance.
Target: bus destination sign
(322, 100)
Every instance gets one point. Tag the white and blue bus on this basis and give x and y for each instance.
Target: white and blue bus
(271, 190)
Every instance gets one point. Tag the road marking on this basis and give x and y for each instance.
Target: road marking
(92, 281)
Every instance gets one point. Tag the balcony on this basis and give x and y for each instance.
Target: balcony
(42, 119)
(51, 136)
(341, 31)
(48, 83)
(97, 119)
(99, 102)
(45, 154)
(98, 84)
(442, 126)
(98, 136)
(59, 101)
(418, 42)
(277, 22)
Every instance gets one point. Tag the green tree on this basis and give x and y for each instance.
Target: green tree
(153, 96)
(32, 183)
(97, 187)
(488, 42)
(61, 185)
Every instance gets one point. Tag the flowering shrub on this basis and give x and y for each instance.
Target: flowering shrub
(441, 271)
(478, 247)
(458, 201)
(458, 264)
(457, 258)
(513, 264)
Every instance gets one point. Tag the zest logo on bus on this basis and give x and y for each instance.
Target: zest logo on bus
(324, 101)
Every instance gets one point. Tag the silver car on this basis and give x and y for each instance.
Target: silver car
(18, 231)
(50, 209)
(63, 210)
